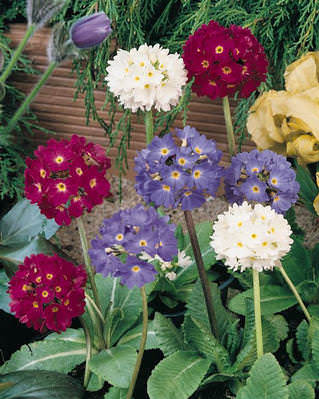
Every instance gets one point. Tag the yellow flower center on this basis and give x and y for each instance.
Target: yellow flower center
(43, 173)
(92, 183)
(182, 161)
(39, 187)
(55, 309)
(142, 64)
(25, 287)
(264, 244)
(38, 279)
(135, 269)
(212, 82)
(146, 86)
(150, 74)
(205, 64)
(45, 294)
(164, 151)
(227, 70)
(274, 181)
(255, 170)
(276, 198)
(239, 224)
(175, 175)
(166, 188)
(137, 78)
(198, 150)
(59, 159)
(143, 243)
(197, 174)
(219, 49)
(253, 236)
(61, 187)
(240, 244)
(66, 302)
(35, 304)
(49, 276)
(187, 193)
(255, 189)
(79, 171)
(58, 288)
(119, 237)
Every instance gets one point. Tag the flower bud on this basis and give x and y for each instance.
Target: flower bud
(91, 30)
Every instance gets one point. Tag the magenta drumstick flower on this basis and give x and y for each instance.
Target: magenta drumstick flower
(47, 292)
(67, 178)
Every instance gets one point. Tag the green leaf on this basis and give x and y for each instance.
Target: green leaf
(180, 237)
(39, 385)
(170, 339)
(115, 365)
(303, 339)
(4, 296)
(274, 299)
(58, 352)
(297, 263)
(266, 380)
(315, 349)
(306, 373)
(133, 337)
(11, 257)
(116, 393)
(177, 376)
(197, 335)
(24, 222)
(95, 383)
(308, 188)
(113, 295)
(301, 390)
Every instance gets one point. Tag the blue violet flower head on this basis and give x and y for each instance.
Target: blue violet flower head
(179, 169)
(261, 176)
(125, 238)
(90, 30)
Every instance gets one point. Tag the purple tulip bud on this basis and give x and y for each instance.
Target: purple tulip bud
(91, 30)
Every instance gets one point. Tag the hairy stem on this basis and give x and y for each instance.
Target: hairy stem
(202, 272)
(142, 346)
(17, 53)
(149, 127)
(258, 326)
(88, 342)
(229, 126)
(21, 110)
(295, 292)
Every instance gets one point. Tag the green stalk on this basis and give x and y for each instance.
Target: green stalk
(149, 128)
(295, 292)
(258, 326)
(202, 272)
(96, 324)
(229, 127)
(17, 53)
(142, 346)
(21, 110)
(87, 262)
(88, 343)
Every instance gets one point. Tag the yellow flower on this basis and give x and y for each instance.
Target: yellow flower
(316, 200)
(305, 148)
(303, 74)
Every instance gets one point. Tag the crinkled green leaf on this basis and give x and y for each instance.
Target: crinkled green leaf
(306, 373)
(133, 337)
(39, 385)
(177, 376)
(4, 296)
(58, 352)
(301, 390)
(116, 393)
(115, 365)
(266, 381)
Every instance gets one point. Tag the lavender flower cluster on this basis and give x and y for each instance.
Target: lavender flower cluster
(261, 176)
(127, 235)
(178, 169)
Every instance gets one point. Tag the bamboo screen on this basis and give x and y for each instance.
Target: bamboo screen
(57, 111)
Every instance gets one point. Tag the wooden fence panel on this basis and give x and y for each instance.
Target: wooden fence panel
(56, 109)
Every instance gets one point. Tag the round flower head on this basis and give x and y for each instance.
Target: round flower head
(260, 237)
(179, 169)
(47, 292)
(134, 232)
(224, 61)
(67, 178)
(146, 77)
(261, 176)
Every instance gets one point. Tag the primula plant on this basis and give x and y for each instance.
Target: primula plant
(240, 315)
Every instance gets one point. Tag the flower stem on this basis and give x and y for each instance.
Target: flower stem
(202, 272)
(88, 342)
(229, 126)
(96, 323)
(149, 128)
(142, 346)
(21, 110)
(295, 292)
(87, 262)
(17, 53)
(258, 326)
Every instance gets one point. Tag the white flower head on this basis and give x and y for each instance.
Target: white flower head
(183, 260)
(147, 77)
(171, 276)
(247, 237)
